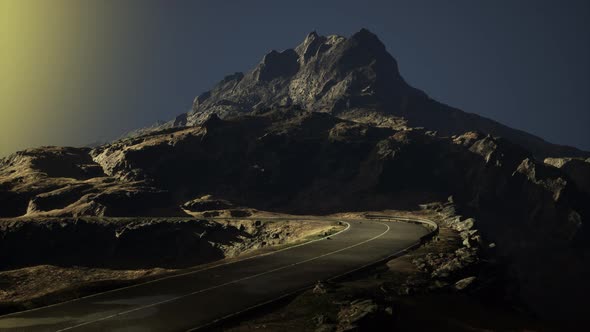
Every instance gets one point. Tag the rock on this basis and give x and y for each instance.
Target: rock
(319, 288)
(239, 213)
(320, 319)
(389, 311)
(52, 181)
(326, 328)
(440, 284)
(578, 170)
(276, 65)
(353, 315)
(404, 290)
(211, 214)
(464, 283)
(364, 315)
(212, 122)
(465, 225)
(206, 203)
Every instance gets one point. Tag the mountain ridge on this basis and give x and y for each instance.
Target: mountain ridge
(353, 78)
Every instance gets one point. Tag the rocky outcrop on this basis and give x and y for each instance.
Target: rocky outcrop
(53, 181)
(364, 315)
(54, 162)
(464, 283)
(206, 203)
(577, 170)
(322, 74)
(357, 315)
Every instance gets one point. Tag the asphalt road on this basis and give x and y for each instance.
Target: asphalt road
(198, 298)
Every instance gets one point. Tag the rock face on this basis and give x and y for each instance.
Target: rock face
(353, 78)
(577, 170)
(206, 203)
(54, 181)
(364, 315)
(464, 283)
(325, 74)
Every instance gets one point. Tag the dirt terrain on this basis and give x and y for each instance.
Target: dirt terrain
(31, 280)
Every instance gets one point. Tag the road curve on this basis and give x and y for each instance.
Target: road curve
(198, 298)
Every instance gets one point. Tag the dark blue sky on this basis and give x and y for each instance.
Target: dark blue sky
(524, 63)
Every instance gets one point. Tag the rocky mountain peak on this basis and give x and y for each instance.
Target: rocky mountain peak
(309, 39)
(277, 65)
(369, 48)
(310, 46)
(366, 38)
(353, 78)
(323, 74)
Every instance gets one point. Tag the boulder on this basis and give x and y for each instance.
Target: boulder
(206, 203)
(464, 283)
(576, 169)
(364, 315)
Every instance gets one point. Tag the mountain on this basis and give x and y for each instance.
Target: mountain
(332, 127)
(352, 78)
(294, 161)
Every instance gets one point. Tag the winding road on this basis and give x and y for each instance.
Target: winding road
(199, 298)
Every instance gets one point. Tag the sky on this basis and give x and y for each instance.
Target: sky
(73, 72)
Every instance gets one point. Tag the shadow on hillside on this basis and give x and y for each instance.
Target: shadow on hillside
(114, 243)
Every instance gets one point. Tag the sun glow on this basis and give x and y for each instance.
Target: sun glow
(56, 64)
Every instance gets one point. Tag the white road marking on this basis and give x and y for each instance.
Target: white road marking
(183, 274)
(227, 283)
(211, 323)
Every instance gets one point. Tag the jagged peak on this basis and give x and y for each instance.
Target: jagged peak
(237, 76)
(363, 40)
(311, 36)
(310, 39)
(315, 43)
(274, 54)
(277, 64)
(364, 34)
(366, 39)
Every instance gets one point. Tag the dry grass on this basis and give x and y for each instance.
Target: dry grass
(37, 281)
